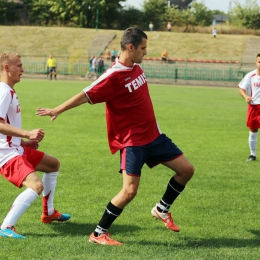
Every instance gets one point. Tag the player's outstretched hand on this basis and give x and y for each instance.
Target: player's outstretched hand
(36, 134)
(47, 112)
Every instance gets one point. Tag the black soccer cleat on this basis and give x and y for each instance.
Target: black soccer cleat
(251, 158)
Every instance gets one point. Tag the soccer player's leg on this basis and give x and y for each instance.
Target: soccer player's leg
(253, 124)
(55, 73)
(50, 166)
(21, 174)
(167, 153)
(131, 164)
(51, 73)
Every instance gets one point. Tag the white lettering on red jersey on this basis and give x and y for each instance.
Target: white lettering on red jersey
(10, 112)
(129, 111)
(251, 84)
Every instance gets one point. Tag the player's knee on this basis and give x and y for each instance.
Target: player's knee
(188, 172)
(38, 187)
(56, 165)
(129, 195)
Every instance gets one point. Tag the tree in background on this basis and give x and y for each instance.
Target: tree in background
(39, 13)
(8, 14)
(76, 13)
(129, 17)
(201, 15)
(196, 14)
(175, 16)
(248, 16)
(109, 14)
(70, 13)
(154, 10)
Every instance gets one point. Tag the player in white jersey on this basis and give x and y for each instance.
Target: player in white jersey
(19, 158)
(249, 88)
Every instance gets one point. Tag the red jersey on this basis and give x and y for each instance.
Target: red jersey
(129, 111)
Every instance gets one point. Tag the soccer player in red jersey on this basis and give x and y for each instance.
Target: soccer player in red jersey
(249, 89)
(19, 158)
(132, 129)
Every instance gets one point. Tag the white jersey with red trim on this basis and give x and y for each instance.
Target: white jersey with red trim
(251, 84)
(129, 111)
(10, 112)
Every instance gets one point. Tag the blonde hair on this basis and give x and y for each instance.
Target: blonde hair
(7, 57)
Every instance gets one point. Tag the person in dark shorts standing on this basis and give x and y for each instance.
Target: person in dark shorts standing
(133, 130)
(52, 67)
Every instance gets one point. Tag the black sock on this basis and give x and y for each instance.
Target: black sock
(109, 216)
(173, 190)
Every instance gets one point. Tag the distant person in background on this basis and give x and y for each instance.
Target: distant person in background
(249, 89)
(20, 158)
(52, 67)
(113, 55)
(90, 63)
(100, 65)
(169, 26)
(90, 68)
(214, 33)
(164, 56)
(151, 26)
(108, 55)
(94, 64)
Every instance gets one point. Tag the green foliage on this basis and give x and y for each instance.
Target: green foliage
(200, 14)
(129, 17)
(154, 11)
(175, 16)
(248, 16)
(197, 14)
(40, 13)
(70, 13)
(111, 15)
(7, 12)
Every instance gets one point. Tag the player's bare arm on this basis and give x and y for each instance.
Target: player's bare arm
(34, 144)
(75, 101)
(245, 96)
(6, 129)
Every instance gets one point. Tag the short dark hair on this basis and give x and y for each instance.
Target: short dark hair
(258, 55)
(132, 35)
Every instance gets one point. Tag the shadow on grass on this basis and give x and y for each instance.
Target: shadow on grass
(192, 242)
(82, 229)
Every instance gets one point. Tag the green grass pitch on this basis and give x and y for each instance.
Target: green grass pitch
(218, 212)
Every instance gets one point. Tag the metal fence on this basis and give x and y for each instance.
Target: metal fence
(203, 74)
(160, 72)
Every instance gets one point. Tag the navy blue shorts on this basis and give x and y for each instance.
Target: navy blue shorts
(52, 69)
(162, 149)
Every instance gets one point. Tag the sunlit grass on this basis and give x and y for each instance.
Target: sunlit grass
(218, 212)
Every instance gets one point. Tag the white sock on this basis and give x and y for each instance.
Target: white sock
(20, 205)
(252, 141)
(49, 181)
